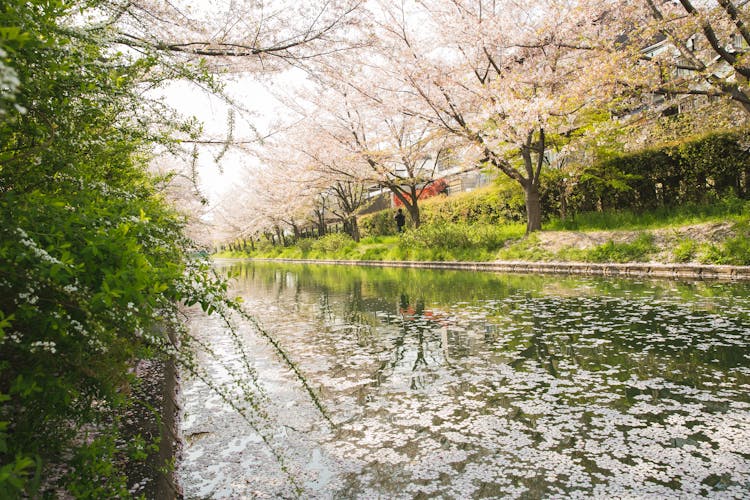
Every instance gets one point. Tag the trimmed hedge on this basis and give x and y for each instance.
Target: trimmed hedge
(693, 171)
(491, 205)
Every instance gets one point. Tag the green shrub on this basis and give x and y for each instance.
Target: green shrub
(733, 251)
(685, 251)
(498, 204)
(333, 243)
(458, 236)
(305, 245)
(636, 251)
(95, 266)
(434, 235)
(492, 205)
(736, 251)
(695, 170)
(379, 224)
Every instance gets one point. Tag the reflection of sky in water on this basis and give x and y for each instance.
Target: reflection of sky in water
(459, 385)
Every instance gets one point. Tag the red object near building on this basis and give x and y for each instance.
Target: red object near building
(434, 189)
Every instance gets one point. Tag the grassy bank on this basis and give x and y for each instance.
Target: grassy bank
(708, 234)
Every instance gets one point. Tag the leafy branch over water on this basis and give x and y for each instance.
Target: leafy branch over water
(95, 264)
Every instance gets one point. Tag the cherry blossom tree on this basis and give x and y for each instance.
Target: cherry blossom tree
(378, 142)
(209, 48)
(706, 42)
(241, 33)
(506, 77)
(271, 198)
(341, 184)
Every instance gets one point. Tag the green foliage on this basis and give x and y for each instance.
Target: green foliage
(333, 244)
(93, 472)
(725, 208)
(440, 241)
(457, 236)
(694, 170)
(635, 251)
(93, 261)
(305, 245)
(380, 224)
(685, 251)
(529, 249)
(732, 251)
(15, 477)
(497, 204)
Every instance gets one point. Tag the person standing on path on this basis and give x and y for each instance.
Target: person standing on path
(400, 220)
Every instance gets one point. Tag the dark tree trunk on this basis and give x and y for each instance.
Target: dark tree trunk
(410, 202)
(321, 224)
(533, 208)
(295, 231)
(533, 157)
(415, 215)
(354, 228)
(280, 236)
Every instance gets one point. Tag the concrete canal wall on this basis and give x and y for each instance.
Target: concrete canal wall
(655, 270)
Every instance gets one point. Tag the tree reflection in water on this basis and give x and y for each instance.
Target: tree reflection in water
(467, 384)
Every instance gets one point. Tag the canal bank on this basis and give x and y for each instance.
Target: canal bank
(636, 269)
(154, 419)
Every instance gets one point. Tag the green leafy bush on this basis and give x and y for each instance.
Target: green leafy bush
(458, 236)
(493, 205)
(333, 243)
(732, 251)
(635, 251)
(695, 170)
(305, 245)
(685, 251)
(736, 251)
(497, 204)
(94, 263)
(380, 224)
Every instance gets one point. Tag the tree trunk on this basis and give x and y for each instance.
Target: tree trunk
(414, 214)
(410, 202)
(416, 217)
(280, 236)
(533, 208)
(354, 227)
(320, 222)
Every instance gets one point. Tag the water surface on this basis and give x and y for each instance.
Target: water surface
(452, 384)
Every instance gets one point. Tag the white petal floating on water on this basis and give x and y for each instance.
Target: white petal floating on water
(631, 393)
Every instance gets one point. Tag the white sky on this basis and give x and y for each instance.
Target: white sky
(265, 113)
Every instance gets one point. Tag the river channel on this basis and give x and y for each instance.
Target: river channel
(454, 384)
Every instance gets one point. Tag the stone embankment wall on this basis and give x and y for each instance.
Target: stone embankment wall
(656, 270)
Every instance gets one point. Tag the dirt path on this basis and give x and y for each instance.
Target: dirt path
(665, 239)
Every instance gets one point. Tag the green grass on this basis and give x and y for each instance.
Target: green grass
(637, 251)
(685, 251)
(525, 249)
(725, 209)
(482, 242)
(732, 251)
(440, 242)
